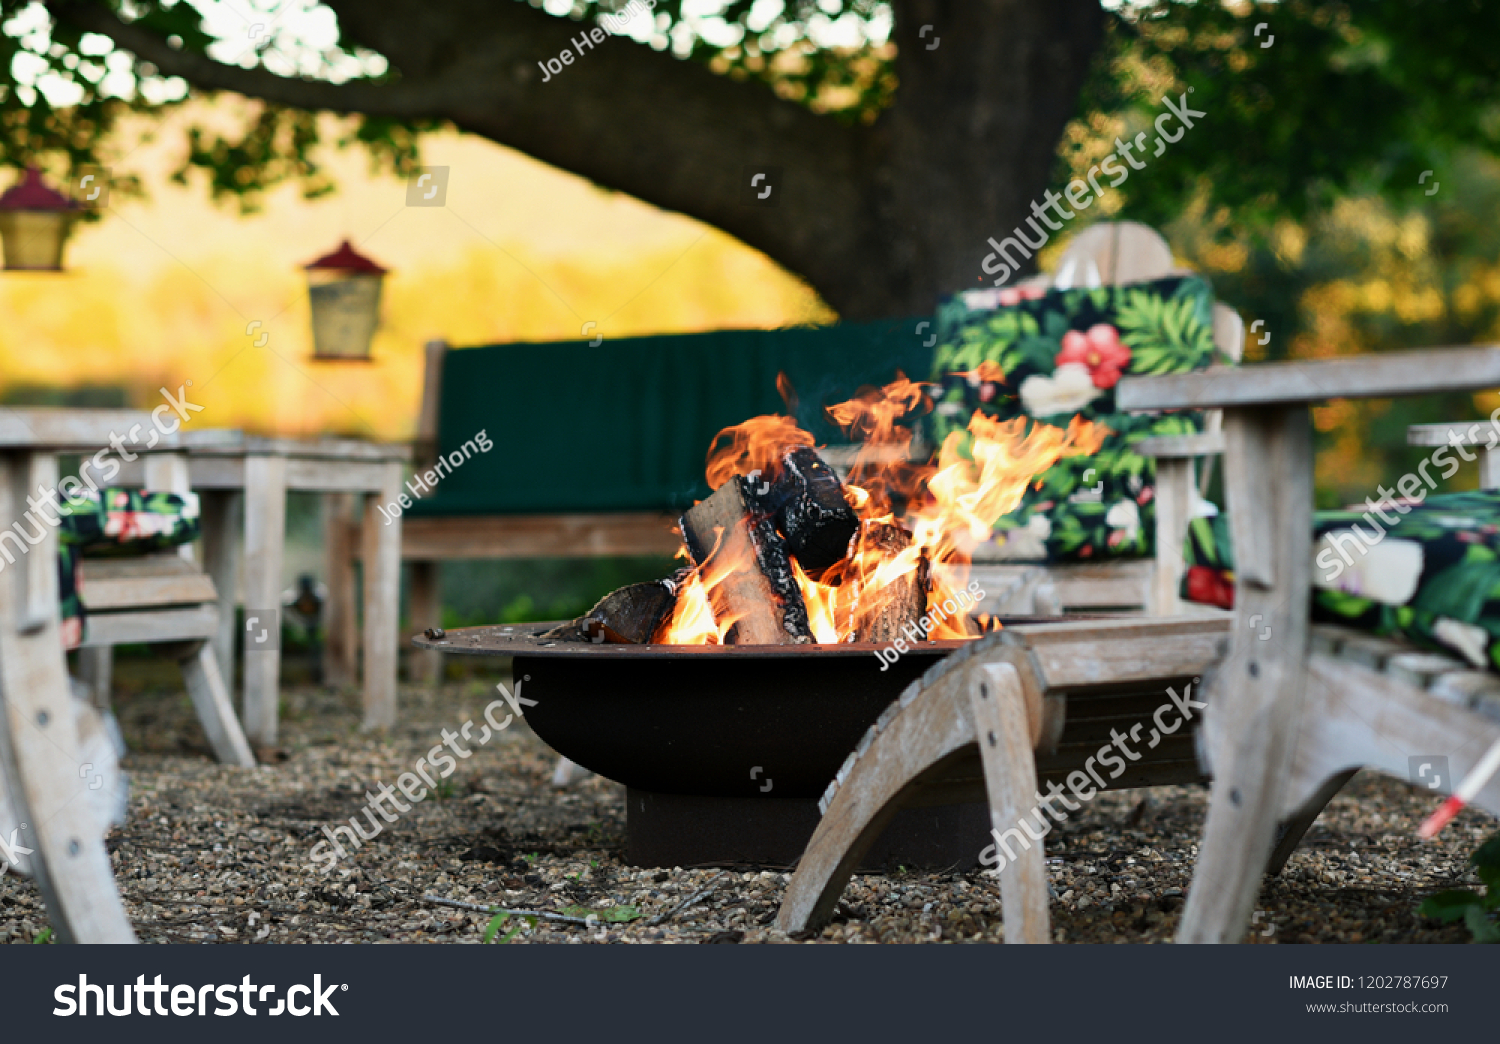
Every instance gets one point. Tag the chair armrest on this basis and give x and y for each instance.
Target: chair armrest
(1167, 447)
(1464, 433)
(1382, 376)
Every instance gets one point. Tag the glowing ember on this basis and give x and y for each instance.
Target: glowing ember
(950, 505)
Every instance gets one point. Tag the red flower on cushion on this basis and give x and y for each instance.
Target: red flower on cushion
(1100, 350)
(1210, 586)
(1014, 295)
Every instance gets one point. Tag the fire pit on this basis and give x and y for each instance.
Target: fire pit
(724, 749)
(726, 696)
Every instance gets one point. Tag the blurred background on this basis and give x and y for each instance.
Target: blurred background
(1299, 197)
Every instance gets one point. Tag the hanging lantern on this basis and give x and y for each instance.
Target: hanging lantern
(344, 287)
(34, 222)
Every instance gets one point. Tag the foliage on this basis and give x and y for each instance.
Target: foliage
(1479, 913)
(1348, 97)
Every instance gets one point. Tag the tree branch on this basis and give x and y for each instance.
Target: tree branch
(397, 100)
(663, 130)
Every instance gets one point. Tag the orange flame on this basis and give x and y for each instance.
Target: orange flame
(693, 619)
(756, 445)
(950, 506)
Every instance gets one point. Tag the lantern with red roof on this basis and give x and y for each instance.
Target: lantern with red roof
(344, 288)
(34, 222)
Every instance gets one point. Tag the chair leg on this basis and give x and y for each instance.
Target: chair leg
(998, 704)
(425, 665)
(96, 664)
(916, 741)
(223, 526)
(382, 581)
(340, 615)
(200, 670)
(265, 536)
(1259, 692)
(1292, 830)
(39, 743)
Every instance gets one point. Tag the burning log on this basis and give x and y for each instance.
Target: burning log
(807, 501)
(628, 616)
(745, 566)
(901, 602)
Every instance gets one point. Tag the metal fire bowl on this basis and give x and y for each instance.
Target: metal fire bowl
(718, 721)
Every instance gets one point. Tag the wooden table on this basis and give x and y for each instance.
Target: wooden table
(1254, 721)
(39, 741)
(232, 470)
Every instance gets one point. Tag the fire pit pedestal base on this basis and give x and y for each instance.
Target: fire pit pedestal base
(696, 830)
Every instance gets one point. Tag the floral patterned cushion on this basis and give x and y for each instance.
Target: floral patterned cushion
(1427, 571)
(115, 522)
(1055, 354)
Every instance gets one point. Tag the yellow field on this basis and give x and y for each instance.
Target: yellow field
(162, 292)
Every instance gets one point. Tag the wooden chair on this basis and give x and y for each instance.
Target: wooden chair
(995, 721)
(1114, 254)
(1292, 715)
(1293, 710)
(162, 599)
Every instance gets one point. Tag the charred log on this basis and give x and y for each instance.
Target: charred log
(760, 594)
(900, 604)
(628, 616)
(807, 503)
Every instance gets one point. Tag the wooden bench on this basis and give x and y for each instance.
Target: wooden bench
(721, 378)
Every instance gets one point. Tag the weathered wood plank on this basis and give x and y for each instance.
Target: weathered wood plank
(1251, 725)
(39, 743)
(536, 536)
(101, 594)
(210, 696)
(997, 705)
(382, 597)
(1386, 375)
(265, 533)
(340, 620)
(153, 625)
(1199, 444)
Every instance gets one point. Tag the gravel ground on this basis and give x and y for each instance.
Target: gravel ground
(216, 854)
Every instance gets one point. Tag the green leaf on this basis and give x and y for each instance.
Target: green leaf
(1449, 906)
(43, 936)
(1483, 929)
(494, 925)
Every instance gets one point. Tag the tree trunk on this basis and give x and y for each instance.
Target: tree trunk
(880, 220)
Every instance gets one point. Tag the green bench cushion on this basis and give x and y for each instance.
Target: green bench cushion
(1051, 355)
(626, 425)
(1432, 577)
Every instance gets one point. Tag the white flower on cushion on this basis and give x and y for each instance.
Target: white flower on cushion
(1124, 515)
(1068, 390)
(1386, 573)
(1473, 642)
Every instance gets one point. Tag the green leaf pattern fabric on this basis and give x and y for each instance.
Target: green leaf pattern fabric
(1425, 571)
(1052, 355)
(115, 522)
